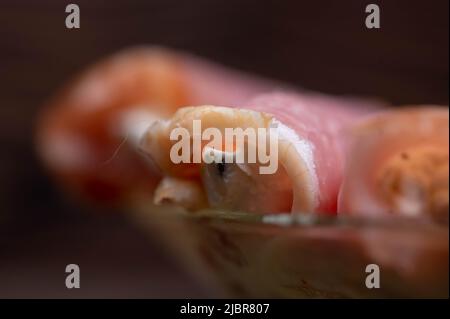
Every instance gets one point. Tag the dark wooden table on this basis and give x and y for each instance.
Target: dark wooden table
(322, 45)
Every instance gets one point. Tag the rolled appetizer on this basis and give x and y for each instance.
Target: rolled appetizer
(295, 194)
(87, 133)
(309, 157)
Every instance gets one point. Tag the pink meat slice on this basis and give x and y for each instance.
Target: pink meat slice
(318, 119)
(208, 83)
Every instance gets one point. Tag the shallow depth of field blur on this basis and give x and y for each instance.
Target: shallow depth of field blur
(320, 45)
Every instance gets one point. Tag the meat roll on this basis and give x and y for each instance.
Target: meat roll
(309, 153)
(87, 133)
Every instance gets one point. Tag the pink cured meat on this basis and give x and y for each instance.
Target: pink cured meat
(319, 119)
(208, 83)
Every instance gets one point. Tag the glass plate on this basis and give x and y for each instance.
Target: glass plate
(304, 255)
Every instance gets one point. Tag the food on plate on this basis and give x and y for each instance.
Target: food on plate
(309, 153)
(316, 186)
(87, 133)
(398, 163)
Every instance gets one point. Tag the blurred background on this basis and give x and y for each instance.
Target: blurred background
(320, 45)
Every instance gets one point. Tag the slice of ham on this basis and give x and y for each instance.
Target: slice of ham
(398, 163)
(309, 152)
(87, 133)
(317, 121)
